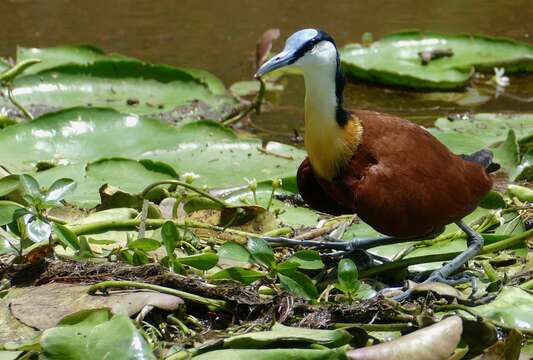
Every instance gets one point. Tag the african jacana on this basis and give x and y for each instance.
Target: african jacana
(394, 174)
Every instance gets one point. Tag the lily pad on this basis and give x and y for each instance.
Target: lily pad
(512, 307)
(85, 76)
(76, 136)
(395, 59)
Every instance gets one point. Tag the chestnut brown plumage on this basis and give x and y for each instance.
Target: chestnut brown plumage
(394, 174)
(400, 180)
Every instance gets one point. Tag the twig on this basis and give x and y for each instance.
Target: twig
(213, 303)
(18, 105)
(187, 186)
(268, 152)
(256, 105)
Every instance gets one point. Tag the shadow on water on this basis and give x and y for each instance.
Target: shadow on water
(219, 36)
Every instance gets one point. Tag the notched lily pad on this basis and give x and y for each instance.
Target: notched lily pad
(396, 59)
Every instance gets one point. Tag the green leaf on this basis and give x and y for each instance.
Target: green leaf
(171, 237)
(59, 189)
(261, 251)
(38, 230)
(7, 210)
(243, 275)
(10, 74)
(507, 154)
(524, 171)
(395, 59)
(71, 138)
(281, 336)
(91, 78)
(66, 236)
(204, 261)
(274, 354)
(144, 244)
(307, 259)
(298, 284)
(347, 276)
(521, 192)
(30, 186)
(286, 267)
(234, 251)
(511, 307)
(93, 336)
(493, 200)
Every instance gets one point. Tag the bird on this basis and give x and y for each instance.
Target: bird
(394, 174)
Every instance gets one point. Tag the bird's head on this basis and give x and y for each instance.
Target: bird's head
(307, 49)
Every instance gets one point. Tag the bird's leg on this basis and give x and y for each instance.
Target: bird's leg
(475, 244)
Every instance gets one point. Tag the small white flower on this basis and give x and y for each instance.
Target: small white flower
(499, 79)
(252, 183)
(189, 177)
(4, 111)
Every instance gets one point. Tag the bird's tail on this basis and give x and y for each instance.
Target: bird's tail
(483, 157)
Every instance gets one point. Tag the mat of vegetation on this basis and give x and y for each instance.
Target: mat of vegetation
(133, 225)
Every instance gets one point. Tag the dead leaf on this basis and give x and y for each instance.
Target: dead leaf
(507, 349)
(435, 342)
(43, 306)
(264, 45)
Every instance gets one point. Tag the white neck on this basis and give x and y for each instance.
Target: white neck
(324, 140)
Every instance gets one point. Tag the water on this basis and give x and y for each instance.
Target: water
(220, 36)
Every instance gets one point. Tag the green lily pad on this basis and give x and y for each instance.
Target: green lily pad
(71, 76)
(512, 307)
(71, 138)
(395, 59)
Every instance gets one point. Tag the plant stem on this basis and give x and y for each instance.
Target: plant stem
(214, 303)
(375, 327)
(102, 226)
(256, 105)
(187, 186)
(18, 105)
(497, 246)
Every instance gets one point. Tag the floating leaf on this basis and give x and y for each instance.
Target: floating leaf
(261, 251)
(493, 200)
(144, 244)
(298, 284)
(66, 237)
(396, 59)
(511, 307)
(234, 251)
(91, 78)
(285, 335)
(204, 261)
(37, 229)
(307, 259)
(91, 335)
(347, 276)
(246, 276)
(274, 354)
(59, 189)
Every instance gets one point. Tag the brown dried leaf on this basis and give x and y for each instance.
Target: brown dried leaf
(43, 306)
(264, 45)
(435, 342)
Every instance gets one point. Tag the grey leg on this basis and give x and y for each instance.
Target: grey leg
(475, 244)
